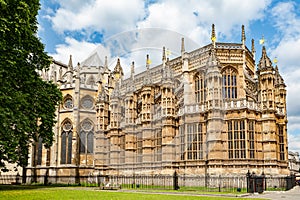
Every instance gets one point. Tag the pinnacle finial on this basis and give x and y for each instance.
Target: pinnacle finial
(264, 52)
(182, 45)
(70, 65)
(148, 61)
(252, 47)
(132, 69)
(264, 61)
(243, 34)
(118, 68)
(105, 63)
(213, 34)
(164, 54)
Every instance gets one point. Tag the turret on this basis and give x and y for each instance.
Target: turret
(167, 89)
(214, 102)
(266, 78)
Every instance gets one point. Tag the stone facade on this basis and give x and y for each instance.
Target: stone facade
(294, 162)
(207, 112)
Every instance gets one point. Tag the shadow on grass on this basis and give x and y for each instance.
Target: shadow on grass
(34, 186)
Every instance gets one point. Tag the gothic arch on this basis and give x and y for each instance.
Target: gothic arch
(86, 135)
(229, 67)
(68, 102)
(66, 141)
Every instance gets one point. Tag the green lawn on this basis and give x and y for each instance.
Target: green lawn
(65, 193)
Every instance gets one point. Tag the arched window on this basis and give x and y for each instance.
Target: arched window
(68, 102)
(199, 89)
(229, 83)
(87, 137)
(66, 143)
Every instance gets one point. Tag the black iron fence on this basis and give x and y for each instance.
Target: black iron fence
(260, 183)
(249, 183)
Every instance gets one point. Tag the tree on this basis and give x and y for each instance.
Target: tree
(27, 103)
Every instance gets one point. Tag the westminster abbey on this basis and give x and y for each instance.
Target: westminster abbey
(211, 111)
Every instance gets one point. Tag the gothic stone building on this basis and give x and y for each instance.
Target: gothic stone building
(211, 111)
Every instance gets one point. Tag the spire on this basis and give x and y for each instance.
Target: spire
(164, 56)
(243, 35)
(264, 61)
(167, 73)
(278, 78)
(118, 70)
(106, 70)
(147, 78)
(99, 79)
(132, 70)
(78, 70)
(253, 48)
(70, 64)
(182, 46)
(213, 36)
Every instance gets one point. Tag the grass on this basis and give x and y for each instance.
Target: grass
(66, 193)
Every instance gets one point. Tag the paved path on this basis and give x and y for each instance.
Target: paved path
(293, 194)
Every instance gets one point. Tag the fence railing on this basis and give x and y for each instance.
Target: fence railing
(161, 182)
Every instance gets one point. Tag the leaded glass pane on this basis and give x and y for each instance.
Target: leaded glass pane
(90, 142)
(82, 142)
(68, 103)
(87, 103)
(63, 148)
(69, 158)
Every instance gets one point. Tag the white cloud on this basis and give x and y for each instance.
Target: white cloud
(109, 17)
(194, 18)
(75, 5)
(287, 52)
(294, 123)
(287, 23)
(294, 142)
(285, 18)
(78, 49)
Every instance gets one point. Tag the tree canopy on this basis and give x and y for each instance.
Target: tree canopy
(27, 103)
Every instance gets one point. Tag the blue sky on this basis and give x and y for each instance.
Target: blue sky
(130, 29)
